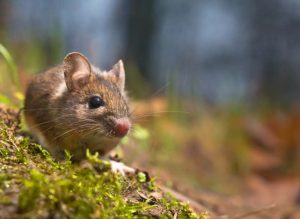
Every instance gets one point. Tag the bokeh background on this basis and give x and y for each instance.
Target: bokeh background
(215, 88)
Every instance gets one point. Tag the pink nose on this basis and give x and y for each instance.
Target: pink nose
(122, 126)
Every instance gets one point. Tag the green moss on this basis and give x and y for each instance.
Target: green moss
(34, 185)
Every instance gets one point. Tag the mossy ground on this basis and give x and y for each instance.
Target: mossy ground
(34, 185)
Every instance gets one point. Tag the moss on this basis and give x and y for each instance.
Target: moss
(34, 185)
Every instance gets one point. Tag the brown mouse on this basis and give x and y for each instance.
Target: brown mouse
(76, 106)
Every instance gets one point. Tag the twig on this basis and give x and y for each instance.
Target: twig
(184, 198)
(256, 211)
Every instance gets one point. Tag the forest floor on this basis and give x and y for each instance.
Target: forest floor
(232, 164)
(33, 185)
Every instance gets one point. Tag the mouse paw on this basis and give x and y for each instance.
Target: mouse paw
(121, 168)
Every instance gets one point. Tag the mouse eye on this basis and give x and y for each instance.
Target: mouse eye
(95, 102)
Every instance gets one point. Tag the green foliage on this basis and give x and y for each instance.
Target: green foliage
(181, 208)
(14, 78)
(4, 99)
(44, 188)
(141, 177)
(11, 64)
(142, 135)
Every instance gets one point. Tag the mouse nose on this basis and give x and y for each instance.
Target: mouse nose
(122, 126)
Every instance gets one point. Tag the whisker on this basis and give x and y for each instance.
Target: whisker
(153, 95)
(159, 113)
(45, 108)
(63, 117)
(49, 121)
(66, 132)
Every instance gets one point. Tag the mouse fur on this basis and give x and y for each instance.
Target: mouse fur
(58, 112)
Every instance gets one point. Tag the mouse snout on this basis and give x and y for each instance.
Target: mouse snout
(122, 126)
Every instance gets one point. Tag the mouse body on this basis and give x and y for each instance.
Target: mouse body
(75, 106)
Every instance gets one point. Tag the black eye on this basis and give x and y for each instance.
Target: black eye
(95, 102)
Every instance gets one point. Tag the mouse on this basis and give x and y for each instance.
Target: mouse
(75, 106)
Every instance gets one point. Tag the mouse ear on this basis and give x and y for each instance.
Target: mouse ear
(117, 75)
(77, 71)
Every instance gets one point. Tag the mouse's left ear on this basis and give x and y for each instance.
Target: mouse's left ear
(77, 71)
(117, 75)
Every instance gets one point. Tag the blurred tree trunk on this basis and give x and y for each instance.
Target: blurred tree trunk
(141, 27)
(273, 38)
(4, 15)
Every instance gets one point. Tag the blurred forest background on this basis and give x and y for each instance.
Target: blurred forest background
(215, 87)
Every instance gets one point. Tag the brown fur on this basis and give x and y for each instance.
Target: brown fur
(65, 121)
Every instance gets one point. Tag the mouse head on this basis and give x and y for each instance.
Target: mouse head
(97, 98)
